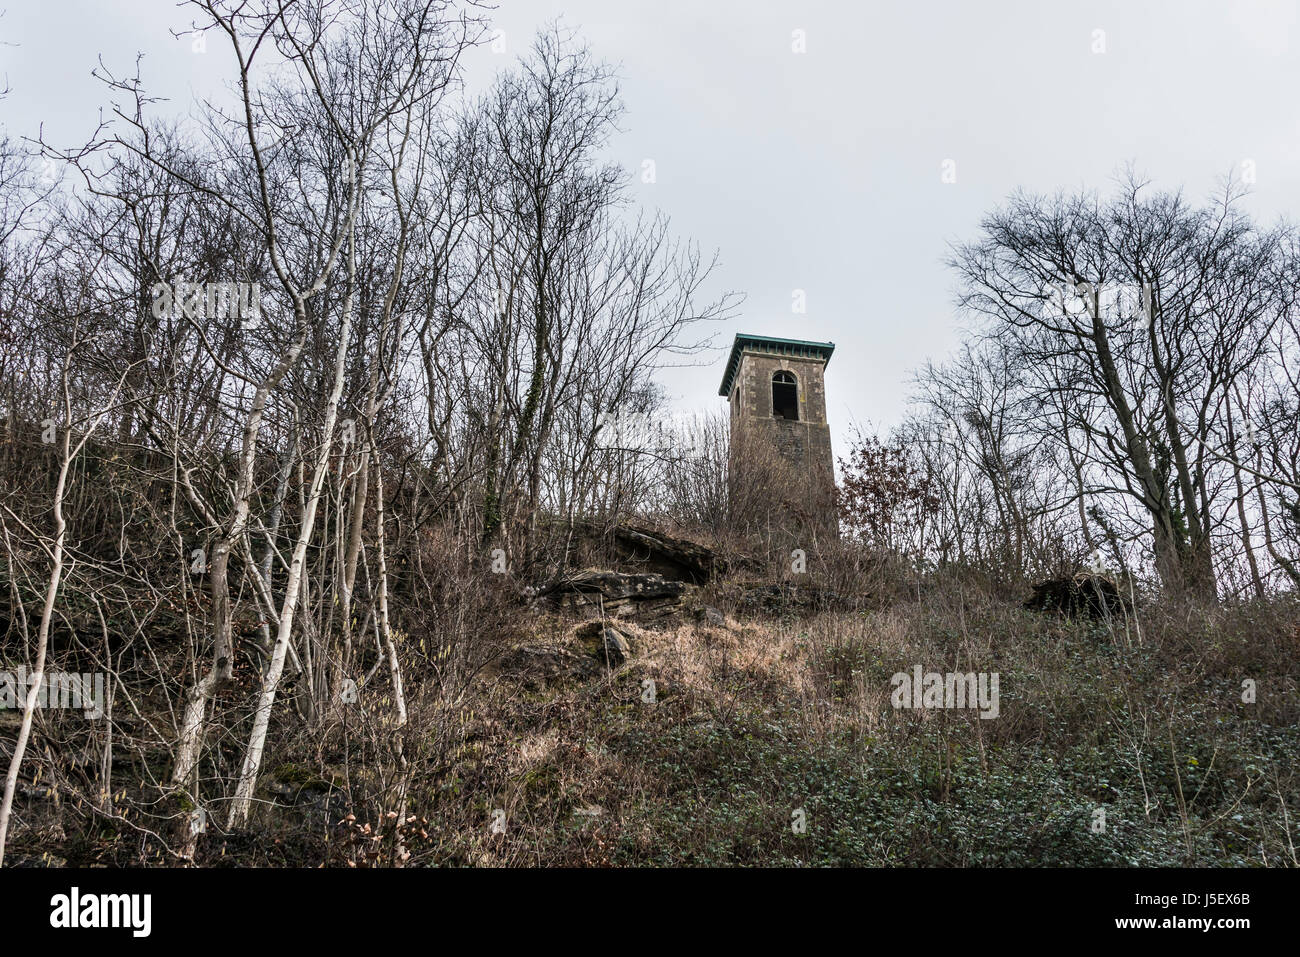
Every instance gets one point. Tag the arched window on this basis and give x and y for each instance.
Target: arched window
(785, 396)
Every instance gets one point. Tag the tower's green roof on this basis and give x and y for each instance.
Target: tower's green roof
(796, 348)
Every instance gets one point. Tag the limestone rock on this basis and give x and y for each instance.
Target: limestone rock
(643, 550)
(712, 616)
(616, 594)
(604, 642)
(675, 558)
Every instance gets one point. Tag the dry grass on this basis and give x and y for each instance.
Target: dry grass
(760, 717)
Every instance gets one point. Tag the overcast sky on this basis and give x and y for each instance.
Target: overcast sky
(822, 170)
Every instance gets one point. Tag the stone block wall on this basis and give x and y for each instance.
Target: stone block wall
(805, 444)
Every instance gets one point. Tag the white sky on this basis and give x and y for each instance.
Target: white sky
(821, 171)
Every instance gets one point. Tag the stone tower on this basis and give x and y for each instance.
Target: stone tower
(777, 392)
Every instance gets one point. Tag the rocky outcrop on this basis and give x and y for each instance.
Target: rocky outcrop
(712, 616)
(605, 643)
(674, 558)
(639, 549)
(587, 651)
(614, 594)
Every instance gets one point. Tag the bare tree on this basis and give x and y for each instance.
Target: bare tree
(1136, 312)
